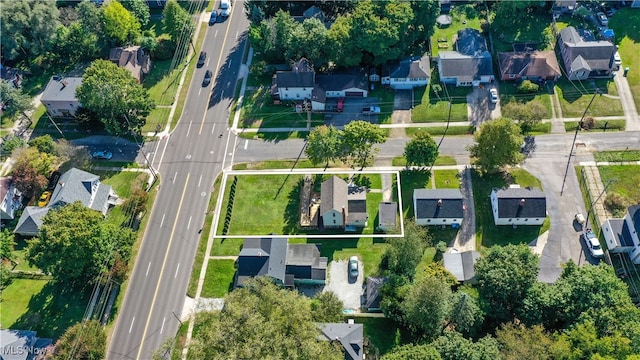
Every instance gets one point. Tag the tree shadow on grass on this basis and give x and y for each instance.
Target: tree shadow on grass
(329, 246)
(54, 309)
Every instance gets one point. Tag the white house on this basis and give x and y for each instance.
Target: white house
(59, 97)
(407, 73)
(296, 84)
(621, 235)
(10, 199)
(518, 206)
(438, 207)
(333, 204)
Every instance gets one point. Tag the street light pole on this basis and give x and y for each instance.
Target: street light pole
(586, 224)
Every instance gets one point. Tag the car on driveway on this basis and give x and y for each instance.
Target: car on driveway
(214, 17)
(593, 244)
(493, 96)
(602, 19)
(102, 155)
(44, 199)
(207, 78)
(202, 58)
(353, 267)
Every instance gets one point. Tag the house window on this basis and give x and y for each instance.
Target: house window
(526, 219)
(429, 220)
(511, 76)
(334, 221)
(444, 220)
(334, 214)
(509, 220)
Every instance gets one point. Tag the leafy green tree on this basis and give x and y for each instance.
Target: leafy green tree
(274, 38)
(465, 315)
(76, 245)
(404, 254)
(584, 342)
(339, 40)
(426, 307)
(84, 340)
(91, 21)
(177, 21)
(11, 143)
(324, 144)
(28, 28)
(309, 41)
(505, 275)
(412, 352)
(44, 144)
(327, 307)
(359, 138)
(7, 244)
(527, 87)
(31, 169)
(393, 293)
(497, 145)
(14, 101)
(453, 346)
(115, 96)
(421, 150)
(77, 43)
(68, 15)
(119, 24)
(539, 344)
(528, 115)
(261, 321)
(139, 9)
(422, 25)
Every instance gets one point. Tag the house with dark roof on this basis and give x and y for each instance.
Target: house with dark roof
(438, 207)
(74, 185)
(387, 215)
(333, 202)
(313, 12)
(471, 63)
(59, 97)
(132, 58)
(23, 345)
(461, 265)
(10, 199)
(373, 293)
(349, 336)
(583, 56)
(356, 208)
(525, 65)
(286, 264)
(407, 73)
(295, 84)
(622, 235)
(518, 206)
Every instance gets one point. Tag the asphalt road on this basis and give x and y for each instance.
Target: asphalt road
(188, 162)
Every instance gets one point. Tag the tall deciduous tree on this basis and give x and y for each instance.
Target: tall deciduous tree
(77, 43)
(13, 101)
(405, 253)
(421, 150)
(139, 9)
(422, 25)
(177, 22)
(327, 307)
(90, 18)
(359, 138)
(412, 352)
(84, 340)
(31, 169)
(261, 321)
(119, 24)
(453, 346)
(497, 145)
(44, 144)
(324, 144)
(505, 275)
(28, 28)
(539, 345)
(427, 306)
(528, 115)
(465, 315)
(76, 245)
(114, 95)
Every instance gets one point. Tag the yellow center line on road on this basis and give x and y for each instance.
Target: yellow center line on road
(215, 73)
(164, 262)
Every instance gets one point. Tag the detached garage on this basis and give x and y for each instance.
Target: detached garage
(343, 85)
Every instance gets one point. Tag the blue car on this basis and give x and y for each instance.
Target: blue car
(102, 155)
(214, 17)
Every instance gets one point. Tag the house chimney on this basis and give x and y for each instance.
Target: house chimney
(64, 84)
(439, 202)
(522, 202)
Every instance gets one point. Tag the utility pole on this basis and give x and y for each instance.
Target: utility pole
(586, 224)
(573, 144)
(307, 105)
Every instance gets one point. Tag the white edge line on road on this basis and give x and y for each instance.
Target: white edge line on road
(148, 267)
(174, 177)
(131, 327)
(163, 320)
(162, 221)
(200, 180)
(246, 143)
(189, 128)
(213, 128)
(178, 268)
(189, 223)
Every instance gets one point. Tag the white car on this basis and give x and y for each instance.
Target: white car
(493, 93)
(353, 267)
(225, 8)
(593, 244)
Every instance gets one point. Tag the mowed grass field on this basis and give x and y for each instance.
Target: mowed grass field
(626, 24)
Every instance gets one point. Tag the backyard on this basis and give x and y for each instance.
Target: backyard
(532, 27)
(464, 16)
(626, 24)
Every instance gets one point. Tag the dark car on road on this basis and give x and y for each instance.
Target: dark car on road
(207, 78)
(214, 17)
(202, 58)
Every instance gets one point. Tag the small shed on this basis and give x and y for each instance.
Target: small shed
(387, 215)
(461, 264)
(373, 295)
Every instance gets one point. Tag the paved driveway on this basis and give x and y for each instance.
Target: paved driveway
(348, 290)
(352, 111)
(479, 108)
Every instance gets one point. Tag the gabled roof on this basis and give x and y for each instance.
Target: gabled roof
(521, 203)
(387, 213)
(465, 67)
(132, 58)
(471, 42)
(301, 75)
(597, 55)
(461, 264)
(78, 185)
(537, 63)
(333, 195)
(262, 257)
(438, 203)
(31, 220)
(350, 337)
(342, 81)
(374, 285)
(411, 68)
(61, 89)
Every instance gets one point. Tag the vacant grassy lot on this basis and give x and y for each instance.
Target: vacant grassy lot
(626, 24)
(575, 97)
(43, 306)
(617, 156)
(219, 279)
(626, 179)
(487, 233)
(258, 111)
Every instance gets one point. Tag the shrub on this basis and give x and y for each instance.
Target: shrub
(164, 50)
(527, 87)
(588, 123)
(615, 203)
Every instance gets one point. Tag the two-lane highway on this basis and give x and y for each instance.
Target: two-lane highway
(188, 162)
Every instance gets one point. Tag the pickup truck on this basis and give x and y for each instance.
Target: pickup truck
(371, 110)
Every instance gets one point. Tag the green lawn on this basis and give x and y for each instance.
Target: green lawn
(409, 181)
(20, 256)
(531, 27)
(383, 334)
(626, 24)
(447, 179)
(162, 81)
(275, 164)
(435, 107)
(508, 92)
(156, 120)
(626, 180)
(219, 279)
(121, 181)
(226, 247)
(258, 111)
(617, 156)
(442, 130)
(463, 16)
(575, 97)
(43, 306)
(488, 234)
(440, 161)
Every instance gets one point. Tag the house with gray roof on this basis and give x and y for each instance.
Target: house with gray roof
(518, 206)
(132, 58)
(373, 293)
(583, 56)
(387, 215)
(74, 185)
(470, 64)
(357, 217)
(461, 265)
(59, 97)
(286, 264)
(23, 345)
(622, 235)
(407, 73)
(333, 202)
(438, 207)
(349, 336)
